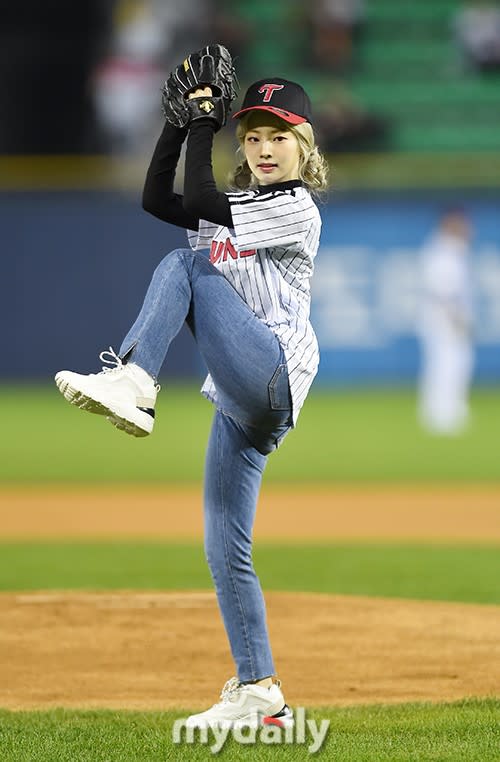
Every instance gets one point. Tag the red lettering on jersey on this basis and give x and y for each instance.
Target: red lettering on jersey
(269, 90)
(229, 249)
(216, 250)
(221, 250)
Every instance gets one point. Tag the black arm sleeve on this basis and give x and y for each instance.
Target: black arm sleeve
(158, 196)
(201, 197)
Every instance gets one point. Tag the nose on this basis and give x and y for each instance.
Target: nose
(265, 150)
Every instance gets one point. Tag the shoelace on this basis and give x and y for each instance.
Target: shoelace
(117, 364)
(114, 360)
(230, 689)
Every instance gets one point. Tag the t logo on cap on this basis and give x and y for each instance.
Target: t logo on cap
(286, 100)
(269, 90)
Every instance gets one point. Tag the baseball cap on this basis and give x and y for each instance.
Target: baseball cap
(285, 99)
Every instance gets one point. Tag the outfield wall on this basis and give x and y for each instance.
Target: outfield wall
(366, 300)
(74, 267)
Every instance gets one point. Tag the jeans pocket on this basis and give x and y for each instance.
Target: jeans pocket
(279, 389)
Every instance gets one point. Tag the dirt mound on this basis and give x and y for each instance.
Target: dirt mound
(162, 650)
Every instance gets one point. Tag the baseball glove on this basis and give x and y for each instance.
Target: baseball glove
(209, 67)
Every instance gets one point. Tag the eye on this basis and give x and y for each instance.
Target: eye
(252, 139)
(280, 138)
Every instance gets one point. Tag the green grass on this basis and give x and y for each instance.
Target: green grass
(466, 731)
(355, 436)
(468, 574)
(342, 436)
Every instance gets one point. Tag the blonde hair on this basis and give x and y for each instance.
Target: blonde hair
(313, 168)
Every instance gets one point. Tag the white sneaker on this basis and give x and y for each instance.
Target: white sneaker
(245, 705)
(125, 394)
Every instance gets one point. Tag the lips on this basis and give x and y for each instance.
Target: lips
(267, 167)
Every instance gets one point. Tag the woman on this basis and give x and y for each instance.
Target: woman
(247, 305)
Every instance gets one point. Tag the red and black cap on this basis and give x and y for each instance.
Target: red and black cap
(285, 99)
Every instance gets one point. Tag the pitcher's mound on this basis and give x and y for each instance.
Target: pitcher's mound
(165, 650)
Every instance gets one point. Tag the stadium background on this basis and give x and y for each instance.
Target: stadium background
(391, 511)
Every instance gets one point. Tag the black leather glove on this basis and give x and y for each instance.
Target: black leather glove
(212, 67)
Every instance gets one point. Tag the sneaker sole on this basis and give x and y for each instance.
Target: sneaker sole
(127, 426)
(116, 416)
(280, 722)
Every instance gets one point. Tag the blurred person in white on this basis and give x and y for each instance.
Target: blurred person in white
(476, 28)
(149, 36)
(445, 326)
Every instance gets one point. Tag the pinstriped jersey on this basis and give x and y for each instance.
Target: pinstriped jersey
(268, 257)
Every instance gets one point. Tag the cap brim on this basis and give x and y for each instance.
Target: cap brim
(287, 116)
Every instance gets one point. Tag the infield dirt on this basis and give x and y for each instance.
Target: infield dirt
(465, 513)
(162, 650)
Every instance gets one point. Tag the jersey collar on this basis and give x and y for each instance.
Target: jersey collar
(288, 185)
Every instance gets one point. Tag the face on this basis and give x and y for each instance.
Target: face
(271, 151)
(458, 225)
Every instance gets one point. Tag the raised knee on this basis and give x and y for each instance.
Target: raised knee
(171, 261)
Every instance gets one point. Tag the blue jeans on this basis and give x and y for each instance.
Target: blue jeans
(253, 414)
